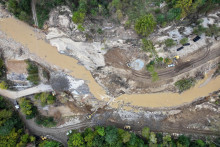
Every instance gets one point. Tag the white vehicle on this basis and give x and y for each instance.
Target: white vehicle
(16, 104)
(171, 65)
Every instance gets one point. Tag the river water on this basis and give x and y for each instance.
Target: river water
(26, 35)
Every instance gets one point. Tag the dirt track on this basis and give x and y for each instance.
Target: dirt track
(183, 67)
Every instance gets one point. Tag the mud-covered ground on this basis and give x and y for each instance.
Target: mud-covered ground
(107, 55)
(200, 116)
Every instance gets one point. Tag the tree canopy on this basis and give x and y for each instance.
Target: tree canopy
(145, 25)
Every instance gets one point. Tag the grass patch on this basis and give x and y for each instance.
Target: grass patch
(33, 72)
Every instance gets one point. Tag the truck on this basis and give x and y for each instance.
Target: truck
(90, 115)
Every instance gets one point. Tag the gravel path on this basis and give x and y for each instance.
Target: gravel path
(29, 91)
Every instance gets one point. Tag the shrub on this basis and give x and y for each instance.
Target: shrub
(80, 27)
(1, 63)
(100, 31)
(119, 15)
(169, 42)
(51, 99)
(199, 30)
(45, 98)
(127, 24)
(183, 140)
(157, 10)
(161, 18)
(33, 73)
(146, 132)
(167, 61)
(184, 40)
(185, 84)
(45, 121)
(51, 143)
(213, 30)
(173, 13)
(145, 25)
(78, 17)
(3, 85)
(147, 45)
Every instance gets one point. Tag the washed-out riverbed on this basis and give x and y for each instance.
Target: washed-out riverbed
(26, 35)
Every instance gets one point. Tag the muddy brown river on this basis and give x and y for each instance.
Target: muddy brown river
(26, 35)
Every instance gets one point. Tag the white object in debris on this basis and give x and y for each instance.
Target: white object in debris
(17, 106)
(171, 65)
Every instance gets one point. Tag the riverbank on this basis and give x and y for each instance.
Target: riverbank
(26, 35)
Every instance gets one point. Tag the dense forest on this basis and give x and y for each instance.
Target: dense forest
(137, 10)
(12, 131)
(112, 136)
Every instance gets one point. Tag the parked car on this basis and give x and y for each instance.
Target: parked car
(171, 65)
(180, 48)
(196, 38)
(186, 44)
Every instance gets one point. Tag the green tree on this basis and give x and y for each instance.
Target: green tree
(166, 140)
(43, 98)
(145, 25)
(101, 131)
(126, 137)
(111, 135)
(51, 99)
(32, 138)
(75, 140)
(153, 138)
(25, 138)
(98, 141)
(12, 6)
(200, 143)
(183, 140)
(26, 106)
(146, 132)
(185, 6)
(4, 115)
(133, 141)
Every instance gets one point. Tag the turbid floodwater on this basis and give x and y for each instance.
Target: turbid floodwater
(26, 35)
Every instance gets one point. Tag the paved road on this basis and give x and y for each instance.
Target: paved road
(59, 134)
(29, 91)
